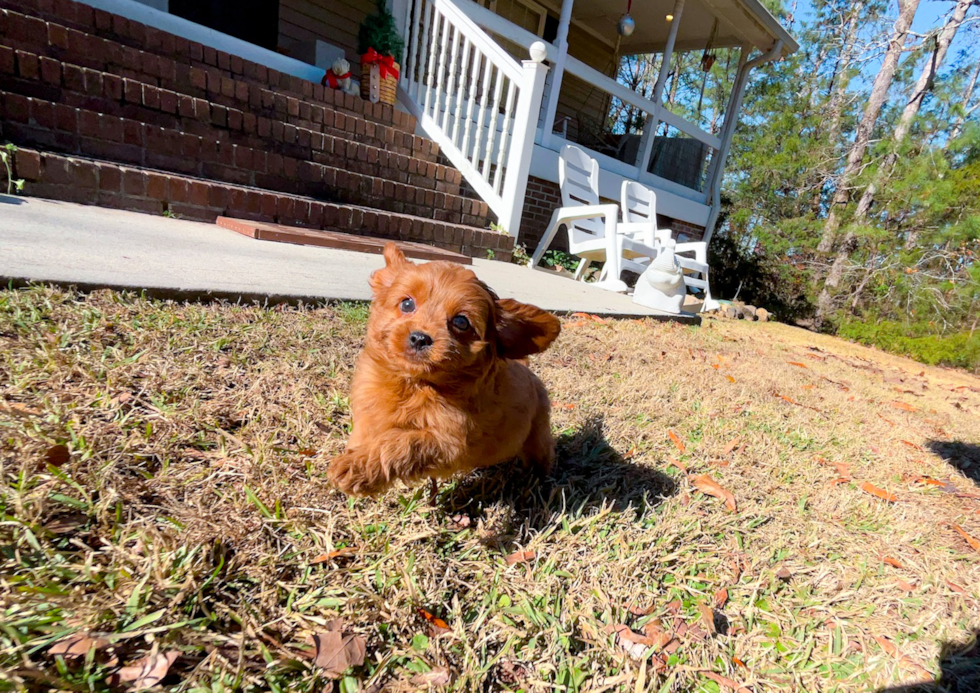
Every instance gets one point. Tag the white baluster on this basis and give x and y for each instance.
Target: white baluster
(454, 49)
(479, 137)
(444, 48)
(414, 49)
(461, 92)
(474, 85)
(433, 42)
(409, 31)
(494, 117)
(505, 136)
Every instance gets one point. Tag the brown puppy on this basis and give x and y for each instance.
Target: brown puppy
(438, 388)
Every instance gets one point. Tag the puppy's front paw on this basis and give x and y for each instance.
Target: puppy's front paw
(356, 474)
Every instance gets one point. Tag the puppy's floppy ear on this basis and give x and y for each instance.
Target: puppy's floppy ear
(523, 329)
(395, 262)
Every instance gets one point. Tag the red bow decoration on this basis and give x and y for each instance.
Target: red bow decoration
(333, 79)
(386, 63)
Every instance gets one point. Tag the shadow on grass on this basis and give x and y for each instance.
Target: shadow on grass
(959, 664)
(964, 456)
(588, 474)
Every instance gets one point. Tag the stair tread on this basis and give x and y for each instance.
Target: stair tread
(219, 161)
(282, 233)
(22, 151)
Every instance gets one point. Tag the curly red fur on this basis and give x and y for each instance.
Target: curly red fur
(464, 400)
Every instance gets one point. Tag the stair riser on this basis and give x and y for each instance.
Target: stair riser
(34, 123)
(110, 185)
(93, 91)
(93, 35)
(167, 80)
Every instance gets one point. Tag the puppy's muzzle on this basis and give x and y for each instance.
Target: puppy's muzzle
(419, 341)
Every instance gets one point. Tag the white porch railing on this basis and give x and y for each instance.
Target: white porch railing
(477, 102)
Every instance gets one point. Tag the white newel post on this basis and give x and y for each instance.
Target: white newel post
(557, 72)
(522, 144)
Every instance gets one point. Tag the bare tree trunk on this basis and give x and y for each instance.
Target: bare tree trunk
(922, 87)
(838, 93)
(879, 92)
(958, 125)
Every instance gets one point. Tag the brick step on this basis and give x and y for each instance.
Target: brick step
(33, 122)
(167, 62)
(108, 184)
(68, 85)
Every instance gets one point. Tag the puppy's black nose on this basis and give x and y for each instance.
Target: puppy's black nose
(419, 340)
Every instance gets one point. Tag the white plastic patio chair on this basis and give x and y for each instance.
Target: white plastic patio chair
(594, 231)
(640, 217)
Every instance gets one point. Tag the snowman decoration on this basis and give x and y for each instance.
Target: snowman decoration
(661, 286)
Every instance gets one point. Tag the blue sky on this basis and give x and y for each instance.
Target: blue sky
(930, 14)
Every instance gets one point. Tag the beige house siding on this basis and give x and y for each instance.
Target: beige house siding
(333, 21)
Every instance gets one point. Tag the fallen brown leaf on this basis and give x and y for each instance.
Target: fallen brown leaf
(520, 557)
(911, 445)
(731, 446)
(726, 682)
(784, 574)
(708, 618)
(904, 586)
(434, 677)
(77, 645)
(512, 672)
(337, 651)
(721, 597)
(147, 672)
(903, 660)
(868, 487)
(903, 406)
(705, 484)
(338, 553)
(438, 626)
(677, 441)
(730, 378)
(654, 630)
(893, 562)
(57, 455)
(640, 611)
(634, 644)
(972, 541)
(797, 364)
(956, 588)
(677, 463)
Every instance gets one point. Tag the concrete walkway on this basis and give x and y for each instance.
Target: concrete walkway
(92, 247)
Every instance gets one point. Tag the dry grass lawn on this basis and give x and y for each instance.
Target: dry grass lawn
(162, 486)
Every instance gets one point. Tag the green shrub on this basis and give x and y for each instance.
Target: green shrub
(958, 349)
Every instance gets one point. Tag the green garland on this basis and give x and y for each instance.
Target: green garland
(378, 31)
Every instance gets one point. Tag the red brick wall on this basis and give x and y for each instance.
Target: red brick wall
(543, 197)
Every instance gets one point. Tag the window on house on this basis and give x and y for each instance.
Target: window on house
(525, 14)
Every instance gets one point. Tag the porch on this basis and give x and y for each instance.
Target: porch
(466, 68)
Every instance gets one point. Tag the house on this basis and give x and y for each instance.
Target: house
(207, 107)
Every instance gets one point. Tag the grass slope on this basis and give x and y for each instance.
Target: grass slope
(162, 486)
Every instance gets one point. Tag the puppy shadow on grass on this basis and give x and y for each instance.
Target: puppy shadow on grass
(588, 474)
(959, 670)
(963, 456)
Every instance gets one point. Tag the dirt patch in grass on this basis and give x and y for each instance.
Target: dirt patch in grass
(162, 485)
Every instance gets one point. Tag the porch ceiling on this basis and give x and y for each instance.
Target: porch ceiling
(739, 22)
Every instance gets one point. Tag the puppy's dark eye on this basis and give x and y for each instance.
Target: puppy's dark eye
(407, 305)
(460, 323)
